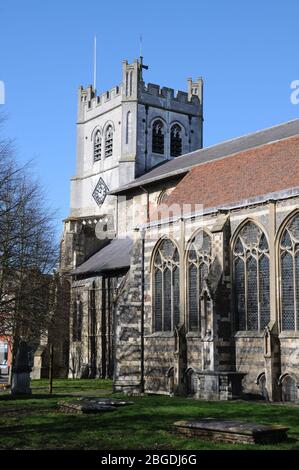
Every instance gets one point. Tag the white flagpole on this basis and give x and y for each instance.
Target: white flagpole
(95, 64)
(140, 45)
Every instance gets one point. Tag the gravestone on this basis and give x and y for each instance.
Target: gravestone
(21, 371)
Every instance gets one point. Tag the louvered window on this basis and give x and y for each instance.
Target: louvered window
(158, 137)
(175, 141)
(109, 141)
(97, 147)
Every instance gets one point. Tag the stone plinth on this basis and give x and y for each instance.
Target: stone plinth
(218, 385)
(21, 384)
(232, 431)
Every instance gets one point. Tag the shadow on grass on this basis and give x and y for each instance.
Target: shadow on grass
(145, 424)
(146, 417)
(42, 396)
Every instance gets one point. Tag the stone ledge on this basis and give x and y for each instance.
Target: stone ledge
(161, 334)
(249, 334)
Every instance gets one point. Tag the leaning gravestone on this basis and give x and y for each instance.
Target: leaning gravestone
(21, 371)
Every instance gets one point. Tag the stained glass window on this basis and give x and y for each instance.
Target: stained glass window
(175, 141)
(251, 278)
(198, 263)
(158, 300)
(158, 137)
(166, 287)
(289, 275)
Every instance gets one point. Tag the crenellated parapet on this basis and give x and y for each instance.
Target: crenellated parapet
(133, 87)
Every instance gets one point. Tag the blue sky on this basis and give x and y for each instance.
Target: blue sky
(246, 51)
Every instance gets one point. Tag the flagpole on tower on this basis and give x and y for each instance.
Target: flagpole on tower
(141, 64)
(140, 45)
(95, 63)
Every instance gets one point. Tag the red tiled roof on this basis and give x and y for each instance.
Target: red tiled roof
(269, 168)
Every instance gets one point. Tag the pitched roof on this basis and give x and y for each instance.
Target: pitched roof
(255, 172)
(113, 257)
(181, 165)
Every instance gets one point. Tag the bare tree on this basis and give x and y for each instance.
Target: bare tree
(28, 253)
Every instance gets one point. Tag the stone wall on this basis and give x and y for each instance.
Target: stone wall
(258, 356)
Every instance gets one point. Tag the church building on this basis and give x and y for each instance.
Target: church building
(182, 260)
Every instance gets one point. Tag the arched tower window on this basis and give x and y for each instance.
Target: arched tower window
(97, 146)
(198, 263)
(158, 137)
(109, 141)
(251, 278)
(166, 287)
(289, 267)
(128, 127)
(175, 141)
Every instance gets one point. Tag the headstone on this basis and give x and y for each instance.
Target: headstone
(21, 371)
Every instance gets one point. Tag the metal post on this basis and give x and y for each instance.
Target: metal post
(51, 369)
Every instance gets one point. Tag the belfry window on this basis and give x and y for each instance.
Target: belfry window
(109, 141)
(175, 141)
(166, 287)
(97, 147)
(158, 137)
(289, 275)
(198, 263)
(251, 278)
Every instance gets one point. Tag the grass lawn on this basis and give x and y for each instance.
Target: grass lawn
(35, 423)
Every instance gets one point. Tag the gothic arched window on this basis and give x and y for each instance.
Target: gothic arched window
(289, 270)
(289, 389)
(198, 263)
(97, 146)
(175, 141)
(251, 278)
(77, 320)
(158, 137)
(166, 287)
(109, 141)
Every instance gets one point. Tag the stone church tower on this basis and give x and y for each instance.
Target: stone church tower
(121, 134)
